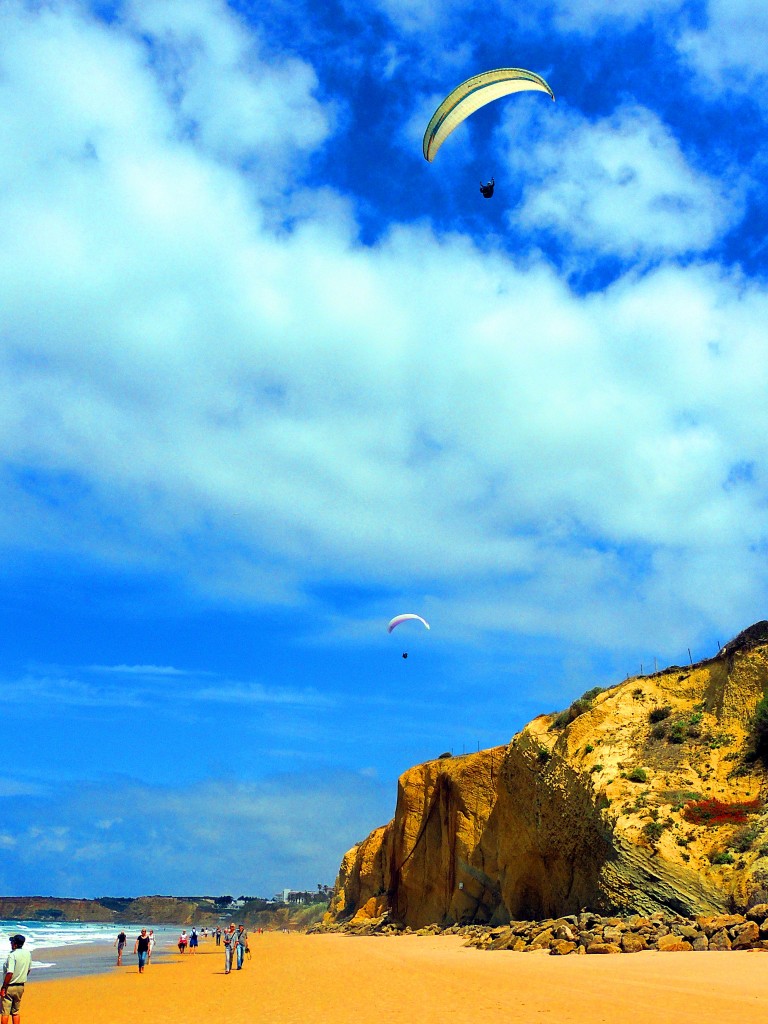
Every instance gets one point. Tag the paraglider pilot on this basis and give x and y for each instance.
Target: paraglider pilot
(487, 190)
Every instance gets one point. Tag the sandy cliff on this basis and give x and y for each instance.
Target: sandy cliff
(603, 806)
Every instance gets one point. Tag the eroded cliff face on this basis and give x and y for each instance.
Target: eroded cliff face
(586, 814)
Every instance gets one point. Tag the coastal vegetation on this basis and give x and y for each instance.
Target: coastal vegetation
(760, 728)
(719, 812)
(578, 707)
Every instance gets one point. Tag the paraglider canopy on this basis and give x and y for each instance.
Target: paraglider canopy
(472, 94)
(404, 618)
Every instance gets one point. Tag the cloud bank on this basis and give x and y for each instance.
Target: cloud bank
(243, 360)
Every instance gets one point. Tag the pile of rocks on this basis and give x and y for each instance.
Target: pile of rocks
(590, 933)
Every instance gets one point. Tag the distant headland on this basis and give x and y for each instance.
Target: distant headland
(293, 909)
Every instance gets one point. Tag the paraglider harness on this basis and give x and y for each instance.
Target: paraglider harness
(487, 190)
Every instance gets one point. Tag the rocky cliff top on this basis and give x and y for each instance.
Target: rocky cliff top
(645, 797)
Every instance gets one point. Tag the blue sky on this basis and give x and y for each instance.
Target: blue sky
(267, 378)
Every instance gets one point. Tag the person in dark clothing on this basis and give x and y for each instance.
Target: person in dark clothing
(141, 946)
(487, 190)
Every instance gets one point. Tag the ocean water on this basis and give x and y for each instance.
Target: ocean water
(94, 942)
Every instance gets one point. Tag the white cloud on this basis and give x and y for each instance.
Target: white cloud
(236, 102)
(729, 50)
(618, 186)
(415, 16)
(256, 694)
(252, 838)
(15, 787)
(725, 43)
(53, 690)
(589, 16)
(185, 389)
(138, 670)
(583, 16)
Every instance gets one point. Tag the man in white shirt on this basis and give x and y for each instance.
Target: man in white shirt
(15, 973)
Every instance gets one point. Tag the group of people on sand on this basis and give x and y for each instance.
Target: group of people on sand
(190, 941)
(234, 939)
(142, 947)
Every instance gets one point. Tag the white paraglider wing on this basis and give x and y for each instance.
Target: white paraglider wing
(468, 97)
(404, 618)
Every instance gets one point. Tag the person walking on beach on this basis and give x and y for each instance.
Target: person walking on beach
(151, 946)
(120, 942)
(241, 938)
(229, 944)
(218, 935)
(141, 946)
(15, 971)
(193, 941)
(183, 941)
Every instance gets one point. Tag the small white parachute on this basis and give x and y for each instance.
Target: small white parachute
(472, 94)
(404, 618)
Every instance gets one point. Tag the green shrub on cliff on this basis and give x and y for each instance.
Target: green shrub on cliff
(744, 837)
(653, 830)
(678, 798)
(677, 732)
(760, 727)
(304, 917)
(722, 857)
(578, 707)
(591, 694)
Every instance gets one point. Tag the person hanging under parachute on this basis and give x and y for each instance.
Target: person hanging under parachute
(404, 618)
(468, 97)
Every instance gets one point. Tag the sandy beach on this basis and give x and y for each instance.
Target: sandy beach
(318, 979)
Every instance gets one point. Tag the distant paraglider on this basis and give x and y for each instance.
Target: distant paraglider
(472, 94)
(487, 190)
(405, 617)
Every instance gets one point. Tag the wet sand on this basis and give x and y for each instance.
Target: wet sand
(88, 958)
(340, 979)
